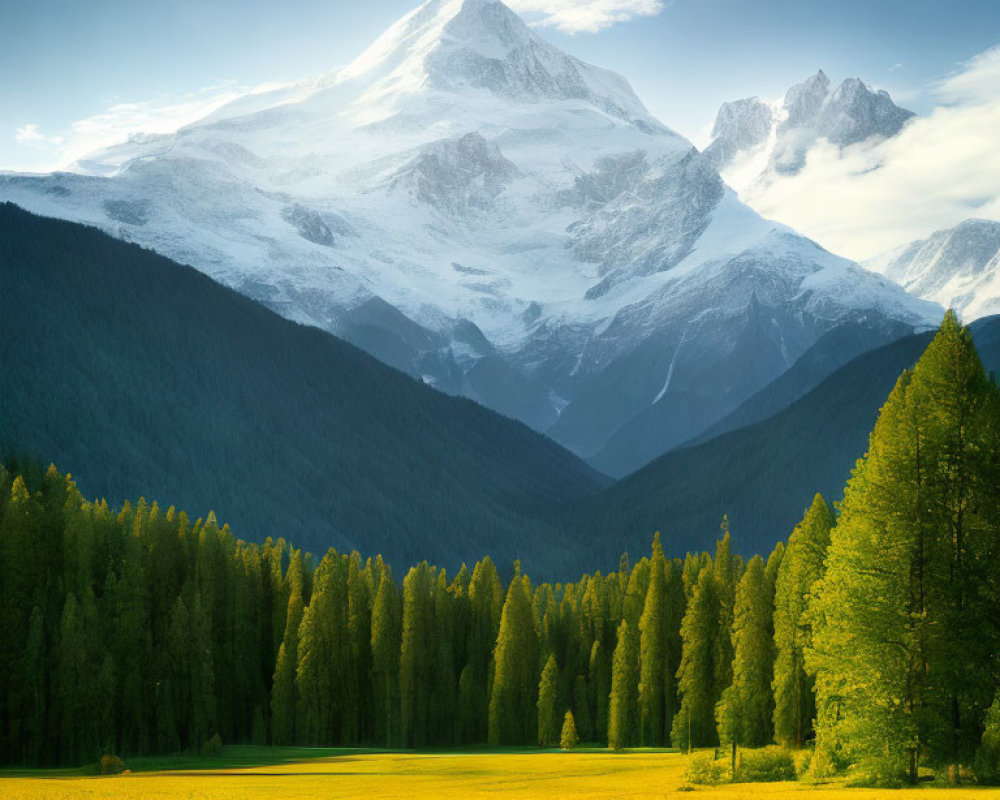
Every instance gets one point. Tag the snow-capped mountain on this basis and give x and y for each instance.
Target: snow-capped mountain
(496, 217)
(958, 268)
(756, 142)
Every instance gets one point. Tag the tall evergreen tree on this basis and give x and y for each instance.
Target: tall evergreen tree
(623, 711)
(321, 655)
(486, 600)
(907, 565)
(283, 682)
(801, 567)
(600, 689)
(673, 613)
(512, 705)
(445, 682)
(548, 700)
(385, 644)
(694, 723)
(357, 721)
(744, 711)
(416, 666)
(653, 645)
(725, 568)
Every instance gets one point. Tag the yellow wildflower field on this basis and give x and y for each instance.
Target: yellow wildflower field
(413, 776)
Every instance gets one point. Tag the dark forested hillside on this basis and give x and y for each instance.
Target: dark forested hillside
(762, 476)
(147, 378)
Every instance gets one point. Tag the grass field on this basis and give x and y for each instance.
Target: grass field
(278, 774)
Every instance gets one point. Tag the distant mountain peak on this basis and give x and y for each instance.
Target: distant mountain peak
(958, 267)
(754, 142)
(804, 100)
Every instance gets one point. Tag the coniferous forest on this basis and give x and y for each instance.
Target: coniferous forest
(872, 634)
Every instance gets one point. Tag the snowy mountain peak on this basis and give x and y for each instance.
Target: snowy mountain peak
(486, 26)
(497, 218)
(804, 100)
(448, 67)
(740, 125)
(754, 143)
(454, 46)
(855, 112)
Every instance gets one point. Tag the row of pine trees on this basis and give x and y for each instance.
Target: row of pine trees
(874, 632)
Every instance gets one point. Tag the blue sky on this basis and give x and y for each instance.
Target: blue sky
(70, 70)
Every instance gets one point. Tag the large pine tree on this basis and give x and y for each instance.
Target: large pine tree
(599, 685)
(416, 667)
(321, 650)
(283, 682)
(694, 723)
(512, 714)
(486, 599)
(385, 644)
(726, 569)
(903, 640)
(623, 710)
(548, 704)
(660, 648)
(744, 712)
(801, 566)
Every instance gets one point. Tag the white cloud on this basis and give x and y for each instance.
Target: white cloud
(589, 16)
(977, 81)
(118, 122)
(941, 169)
(30, 135)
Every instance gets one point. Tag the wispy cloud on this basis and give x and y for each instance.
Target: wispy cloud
(31, 136)
(118, 122)
(584, 16)
(978, 81)
(941, 169)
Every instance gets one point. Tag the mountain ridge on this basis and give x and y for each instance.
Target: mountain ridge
(585, 271)
(146, 378)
